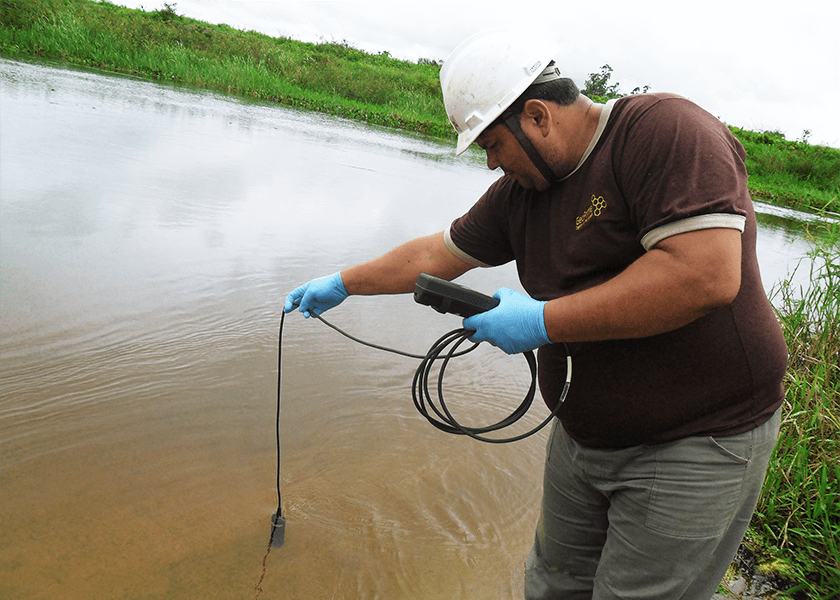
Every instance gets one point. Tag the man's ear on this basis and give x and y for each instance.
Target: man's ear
(537, 113)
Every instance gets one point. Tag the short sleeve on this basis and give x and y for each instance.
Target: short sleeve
(679, 163)
(482, 237)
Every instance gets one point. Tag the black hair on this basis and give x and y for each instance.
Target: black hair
(562, 91)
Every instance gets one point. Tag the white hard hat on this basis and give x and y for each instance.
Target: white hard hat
(486, 73)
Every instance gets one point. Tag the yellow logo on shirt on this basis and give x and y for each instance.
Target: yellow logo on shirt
(598, 205)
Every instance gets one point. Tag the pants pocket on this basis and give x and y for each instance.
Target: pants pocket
(698, 484)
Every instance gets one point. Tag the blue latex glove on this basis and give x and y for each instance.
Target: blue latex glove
(317, 296)
(516, 325)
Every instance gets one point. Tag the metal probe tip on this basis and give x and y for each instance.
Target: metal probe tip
(278, 530)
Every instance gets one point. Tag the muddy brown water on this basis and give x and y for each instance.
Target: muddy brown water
(148, 236)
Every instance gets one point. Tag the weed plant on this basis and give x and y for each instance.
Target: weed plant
(796, 527)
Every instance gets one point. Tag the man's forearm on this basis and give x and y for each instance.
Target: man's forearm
(396, 271)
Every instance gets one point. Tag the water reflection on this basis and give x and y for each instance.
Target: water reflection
(786, 238)
(147, 237)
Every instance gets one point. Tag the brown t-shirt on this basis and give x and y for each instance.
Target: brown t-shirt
(660, 166)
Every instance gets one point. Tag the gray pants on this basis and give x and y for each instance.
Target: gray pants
(648, 522)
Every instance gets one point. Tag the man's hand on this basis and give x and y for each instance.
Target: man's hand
(317, 296)
(515, 325)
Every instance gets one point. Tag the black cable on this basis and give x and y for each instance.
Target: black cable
(385, 348)
(277, 419)
(444, 420)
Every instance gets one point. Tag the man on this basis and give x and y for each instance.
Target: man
(634, 236)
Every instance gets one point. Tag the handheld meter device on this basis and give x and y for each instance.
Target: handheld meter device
(447, 297)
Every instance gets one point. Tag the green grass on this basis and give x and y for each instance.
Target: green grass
(796, 527)
(330, 77)
(793, 174)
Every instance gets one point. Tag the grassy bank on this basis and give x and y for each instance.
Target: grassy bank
(330, 77)
(797, 525)
(793, 174)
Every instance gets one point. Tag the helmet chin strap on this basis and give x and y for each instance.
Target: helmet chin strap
(513, 124)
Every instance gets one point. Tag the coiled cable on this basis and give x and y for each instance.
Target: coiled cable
(440, 415)
(442, 418)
